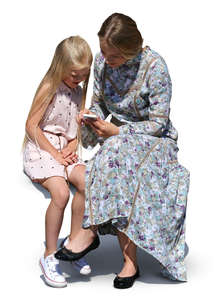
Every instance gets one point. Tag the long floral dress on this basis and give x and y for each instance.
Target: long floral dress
(134, 182)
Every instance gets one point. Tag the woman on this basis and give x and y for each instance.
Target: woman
(135, 186)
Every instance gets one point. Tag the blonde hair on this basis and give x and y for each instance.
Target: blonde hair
(121, 32)
(72, 52)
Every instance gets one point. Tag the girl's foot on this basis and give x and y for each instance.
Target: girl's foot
(81, 264)
(50, 269)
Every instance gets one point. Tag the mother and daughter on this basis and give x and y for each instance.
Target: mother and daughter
(133, 187)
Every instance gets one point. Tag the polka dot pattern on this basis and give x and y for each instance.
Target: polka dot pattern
(59, 118)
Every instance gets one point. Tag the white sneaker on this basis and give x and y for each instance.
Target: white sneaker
(51, 271)
(81, 264)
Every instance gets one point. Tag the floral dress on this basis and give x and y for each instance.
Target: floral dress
(134, 182)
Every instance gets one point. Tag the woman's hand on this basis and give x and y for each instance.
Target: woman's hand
(103, 128)
(80, 119)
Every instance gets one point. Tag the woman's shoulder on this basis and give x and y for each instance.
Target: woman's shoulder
(99, 60)
(156, 59)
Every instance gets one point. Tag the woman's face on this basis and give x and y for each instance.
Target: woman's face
(111, 54)
(75, 76)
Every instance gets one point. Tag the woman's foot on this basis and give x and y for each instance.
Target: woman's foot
(51, 271)
(81, 245)
(81, 264)
(125, 282)
(81, 241)
(129, 269)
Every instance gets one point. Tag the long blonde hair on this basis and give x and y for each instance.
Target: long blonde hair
(71, 52)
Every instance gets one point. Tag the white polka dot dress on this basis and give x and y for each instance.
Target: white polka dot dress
(60, 122)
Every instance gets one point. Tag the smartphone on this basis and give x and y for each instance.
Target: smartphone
(87, 116)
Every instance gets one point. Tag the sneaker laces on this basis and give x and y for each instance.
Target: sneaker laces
(53, 265)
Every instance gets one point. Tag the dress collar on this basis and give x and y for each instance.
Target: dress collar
(65, 88)
(137, 58)
(133, 61)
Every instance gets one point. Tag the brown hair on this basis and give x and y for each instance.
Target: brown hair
(121, 32)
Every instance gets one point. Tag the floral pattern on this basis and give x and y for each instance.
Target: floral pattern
(134, 182)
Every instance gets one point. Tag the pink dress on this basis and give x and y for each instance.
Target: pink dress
(59, 126)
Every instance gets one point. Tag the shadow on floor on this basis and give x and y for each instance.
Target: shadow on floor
(107, 259)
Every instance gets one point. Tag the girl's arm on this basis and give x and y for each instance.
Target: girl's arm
(70, 148)
(36, 134)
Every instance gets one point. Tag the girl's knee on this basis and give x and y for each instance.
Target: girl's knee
(80, 186)
(77, 178)
(61, 197)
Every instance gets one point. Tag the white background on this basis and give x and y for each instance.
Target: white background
(182, 32)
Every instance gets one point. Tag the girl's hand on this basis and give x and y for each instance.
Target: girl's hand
(72, 158)
(59, 157)
(80, 119)
(103, 128)
(66, 151)
(70, 148)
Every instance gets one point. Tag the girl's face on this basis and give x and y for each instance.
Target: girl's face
(75, 76)
(112, 55)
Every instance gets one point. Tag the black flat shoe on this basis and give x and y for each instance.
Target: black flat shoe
(125, 282)
(67, 255)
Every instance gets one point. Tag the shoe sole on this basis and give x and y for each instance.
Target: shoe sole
(50, 282)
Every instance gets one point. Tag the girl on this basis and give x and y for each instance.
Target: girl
(51, 142)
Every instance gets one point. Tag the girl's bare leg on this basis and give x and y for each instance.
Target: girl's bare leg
(59, 192)
(79, 238)
(129, 253)
(78, 203)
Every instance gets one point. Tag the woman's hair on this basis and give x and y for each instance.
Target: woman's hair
(121, 32)
(72, 52)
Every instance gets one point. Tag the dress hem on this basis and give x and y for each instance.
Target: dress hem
(146, 250)
(37, 179)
